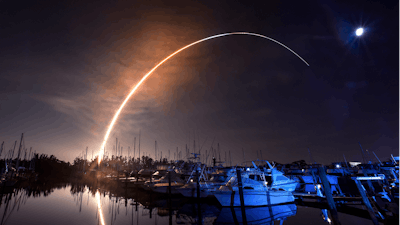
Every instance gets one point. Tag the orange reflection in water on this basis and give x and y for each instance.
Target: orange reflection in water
(99, 207)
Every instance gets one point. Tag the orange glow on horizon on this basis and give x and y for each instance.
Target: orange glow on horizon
(102, 148)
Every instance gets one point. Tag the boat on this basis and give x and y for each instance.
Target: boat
(162, 185)
(273, 178)
(219, 178)
(255, 191)
(145, 173)
(276, 179)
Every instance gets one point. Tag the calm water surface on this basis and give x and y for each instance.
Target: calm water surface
(71, 204)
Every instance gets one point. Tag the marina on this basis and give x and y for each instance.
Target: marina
(164, 190)
(199, 112)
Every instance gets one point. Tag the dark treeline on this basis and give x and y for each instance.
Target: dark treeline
(46, 167)
(51, 167)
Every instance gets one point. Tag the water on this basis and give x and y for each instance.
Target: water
(77, 204)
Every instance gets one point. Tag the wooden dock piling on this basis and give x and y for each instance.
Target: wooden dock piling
(169, 184)
(370, 186)
(328, 194)
(239, 176)
(366, 201)
(197, 183)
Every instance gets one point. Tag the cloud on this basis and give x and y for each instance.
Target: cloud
(92, 113)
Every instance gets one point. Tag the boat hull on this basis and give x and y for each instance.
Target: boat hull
(254, 198)
(164, 188)
(192, 193)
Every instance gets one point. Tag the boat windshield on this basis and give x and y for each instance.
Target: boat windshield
(255, 177)
(218, 178)
(282, 178)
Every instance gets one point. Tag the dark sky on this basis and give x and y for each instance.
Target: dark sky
(66, 66)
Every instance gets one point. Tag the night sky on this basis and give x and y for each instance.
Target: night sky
(66, 66)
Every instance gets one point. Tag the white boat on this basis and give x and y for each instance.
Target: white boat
(162, 185)
(207, 188)
(255, 192)
(254, 198)
(272, 178)
(276, 179)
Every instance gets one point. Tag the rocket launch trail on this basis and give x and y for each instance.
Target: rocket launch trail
(101, 152)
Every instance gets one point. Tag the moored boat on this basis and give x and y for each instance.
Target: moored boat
(171, 179)
(207, 188)
(255, 192)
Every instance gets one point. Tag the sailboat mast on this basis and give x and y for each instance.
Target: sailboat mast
(139, 146)
(134, 149)
(19, 151)
(244, 158)
(1, 149)
(219, 153)
(230, 158)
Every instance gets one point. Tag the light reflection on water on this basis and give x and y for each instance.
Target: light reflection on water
(99, 207)
(75, 204)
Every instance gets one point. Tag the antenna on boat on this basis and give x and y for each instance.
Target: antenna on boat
(394, 161)
(244, 158)
(269, 164)
(377, 158)
(219, 153)
(362, 151)
(230, 158)
(311, 158)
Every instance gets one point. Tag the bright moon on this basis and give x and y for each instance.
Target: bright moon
(359, 31)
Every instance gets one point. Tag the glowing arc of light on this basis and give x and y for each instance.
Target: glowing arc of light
(101, 153)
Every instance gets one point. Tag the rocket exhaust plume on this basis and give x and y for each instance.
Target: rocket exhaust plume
(101, 152)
